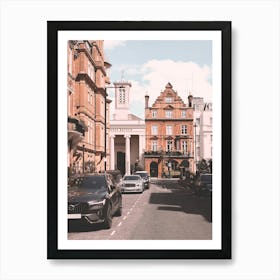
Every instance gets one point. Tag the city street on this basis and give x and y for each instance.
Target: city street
(165, 211)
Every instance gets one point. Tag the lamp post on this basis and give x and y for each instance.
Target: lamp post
(83, 158)
(169, 164)
(105, 129)
(195, 159)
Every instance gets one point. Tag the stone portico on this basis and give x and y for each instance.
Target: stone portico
(127, 133)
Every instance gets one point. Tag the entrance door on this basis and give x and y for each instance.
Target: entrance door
(121, 162)
(154, 169)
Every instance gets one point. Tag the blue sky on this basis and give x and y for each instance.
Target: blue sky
(150, 65)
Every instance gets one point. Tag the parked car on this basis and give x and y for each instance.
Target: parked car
(94, 198)
(203, 184)
(132, 183)
(145, 177)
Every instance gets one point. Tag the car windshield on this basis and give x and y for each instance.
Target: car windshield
(206, 178)
(131, 178)
(92, 183)
(143, 174)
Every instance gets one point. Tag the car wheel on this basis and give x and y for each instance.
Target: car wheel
(119, 211)
(108, 218)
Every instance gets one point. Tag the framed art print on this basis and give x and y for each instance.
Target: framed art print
(139, 140)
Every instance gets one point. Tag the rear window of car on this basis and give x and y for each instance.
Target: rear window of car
(131, 178)
(91, 182)
(143, 174)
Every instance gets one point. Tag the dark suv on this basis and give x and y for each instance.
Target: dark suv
(94, 198)
(203, 184)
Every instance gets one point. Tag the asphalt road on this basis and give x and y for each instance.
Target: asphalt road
(166, 211)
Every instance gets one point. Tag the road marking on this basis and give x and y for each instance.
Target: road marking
(112, 233)
(128, 213)
(119, 224)
(130, 209)
(124, 218)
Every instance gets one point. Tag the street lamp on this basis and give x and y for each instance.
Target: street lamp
(195, 159)
(105, 161)
(83, 158)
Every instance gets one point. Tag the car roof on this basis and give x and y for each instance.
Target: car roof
(141, 172)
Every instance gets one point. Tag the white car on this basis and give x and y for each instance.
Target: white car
(145, 177)
(132, 183)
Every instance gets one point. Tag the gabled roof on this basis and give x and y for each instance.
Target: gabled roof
(168, 107)
(168, 85)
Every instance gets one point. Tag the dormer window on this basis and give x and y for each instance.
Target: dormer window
(168, 99)
(183, 114)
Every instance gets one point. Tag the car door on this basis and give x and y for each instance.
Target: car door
(113, 194)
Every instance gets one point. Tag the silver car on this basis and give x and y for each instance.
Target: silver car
(132, 183)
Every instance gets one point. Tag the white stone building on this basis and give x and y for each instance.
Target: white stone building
(127, 133)
(203, 129)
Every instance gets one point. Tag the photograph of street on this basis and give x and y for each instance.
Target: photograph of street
(140, 139)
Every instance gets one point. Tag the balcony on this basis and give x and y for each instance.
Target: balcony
(168, 154)
(76, 131)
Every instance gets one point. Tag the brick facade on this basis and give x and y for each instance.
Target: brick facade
(169, 135)
(87, 78)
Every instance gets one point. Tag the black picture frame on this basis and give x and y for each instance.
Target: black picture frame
(53, 27)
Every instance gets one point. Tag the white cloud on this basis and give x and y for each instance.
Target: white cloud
(185, 77)
(109, 45)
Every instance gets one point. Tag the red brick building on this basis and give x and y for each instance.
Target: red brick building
(88, 106)
(169, 135)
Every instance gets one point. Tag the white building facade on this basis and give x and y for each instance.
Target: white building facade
(127, 133)
(203, 125)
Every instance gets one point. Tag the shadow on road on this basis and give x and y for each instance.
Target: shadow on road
(77, 226)
(181, 199)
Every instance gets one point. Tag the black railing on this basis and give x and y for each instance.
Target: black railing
(168, 153)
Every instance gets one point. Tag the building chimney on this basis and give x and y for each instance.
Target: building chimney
(190, 98)
(146, 101)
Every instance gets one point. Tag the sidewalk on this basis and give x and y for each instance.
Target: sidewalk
(153, 179)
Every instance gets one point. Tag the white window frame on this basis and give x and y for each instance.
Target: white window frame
(183, 114)
(154, 113)
(184, 129)
(169, 130)
(169, 145)
(154, 129)
(168, 114)
(168, 99)
(154, 146)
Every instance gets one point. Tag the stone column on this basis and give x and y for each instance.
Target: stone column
(127, 154)
(140, 145)
(112, 152)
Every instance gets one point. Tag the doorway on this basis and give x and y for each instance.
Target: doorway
(154, 169)
(121, 162)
